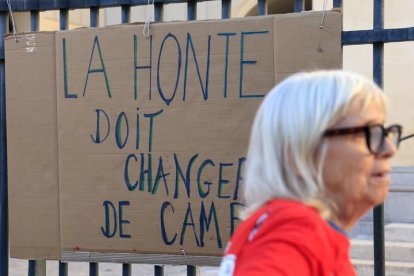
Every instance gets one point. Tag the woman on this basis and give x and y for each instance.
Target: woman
(317, 162)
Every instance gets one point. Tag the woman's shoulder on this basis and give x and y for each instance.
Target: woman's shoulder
(285, 234)
(291, 213)
(300, 226)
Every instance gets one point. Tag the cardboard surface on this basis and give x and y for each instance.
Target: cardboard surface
(145, 137)
(32, 146)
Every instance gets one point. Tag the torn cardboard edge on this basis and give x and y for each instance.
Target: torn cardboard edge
(131, 258)
(139, 23)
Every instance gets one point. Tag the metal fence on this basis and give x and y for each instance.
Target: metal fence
(376, 36)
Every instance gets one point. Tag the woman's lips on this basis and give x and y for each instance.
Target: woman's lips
(382, 176)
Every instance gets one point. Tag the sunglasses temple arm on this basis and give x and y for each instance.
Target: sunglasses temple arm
(406, 137)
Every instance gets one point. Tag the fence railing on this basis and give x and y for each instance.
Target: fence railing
(376, 36)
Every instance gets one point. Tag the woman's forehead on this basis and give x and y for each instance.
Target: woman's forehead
(373, 113)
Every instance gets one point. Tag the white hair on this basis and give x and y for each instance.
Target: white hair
(286, 150)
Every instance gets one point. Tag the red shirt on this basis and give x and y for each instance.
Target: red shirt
(287, 238)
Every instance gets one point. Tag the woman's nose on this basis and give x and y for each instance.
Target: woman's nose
(389, 148)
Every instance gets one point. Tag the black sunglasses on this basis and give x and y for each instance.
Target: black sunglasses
(374, 135)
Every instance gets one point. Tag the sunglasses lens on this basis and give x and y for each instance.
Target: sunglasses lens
(376, 138)
(394, 133)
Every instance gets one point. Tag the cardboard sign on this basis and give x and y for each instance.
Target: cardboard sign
(124, 143)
